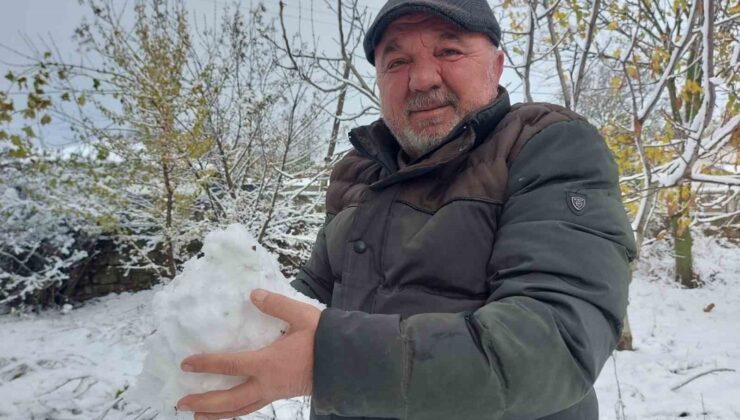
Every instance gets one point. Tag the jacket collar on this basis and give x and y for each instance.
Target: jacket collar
(376, 142)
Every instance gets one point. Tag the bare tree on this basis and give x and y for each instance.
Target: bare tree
(335, 75)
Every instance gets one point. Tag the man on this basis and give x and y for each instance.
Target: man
(474, 256)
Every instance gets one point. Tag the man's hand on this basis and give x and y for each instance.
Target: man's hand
(281, 370)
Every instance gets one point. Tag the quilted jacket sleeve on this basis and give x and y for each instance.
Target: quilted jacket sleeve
(315, 279)
(560, 268)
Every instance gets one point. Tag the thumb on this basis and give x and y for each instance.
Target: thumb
(279, 306)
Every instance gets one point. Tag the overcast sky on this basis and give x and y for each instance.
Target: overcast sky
(43, 20)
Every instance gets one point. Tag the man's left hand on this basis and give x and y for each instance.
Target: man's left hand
(284, 369)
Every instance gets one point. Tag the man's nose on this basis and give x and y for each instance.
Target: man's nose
(424, 75)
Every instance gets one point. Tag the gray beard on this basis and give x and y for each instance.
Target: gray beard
(414, 144)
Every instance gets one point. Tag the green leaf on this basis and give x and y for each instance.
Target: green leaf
(102, 153)
(10, 76)
(66, 97)
(7, 106)
(29, 131)
(18, 153)
(121, 391)
(29, 113)
(46, 119)
(16, 140)
(81, 100)
(96, 84)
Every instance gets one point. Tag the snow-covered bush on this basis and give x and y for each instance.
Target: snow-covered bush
(227, 136)
(37, 241)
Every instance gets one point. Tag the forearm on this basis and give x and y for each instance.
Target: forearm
(511, 358)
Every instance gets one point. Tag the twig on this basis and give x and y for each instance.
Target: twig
(77, 378)
(141, 413)
(105, 413)
(700, 375)
(620, 403)
(77, 389)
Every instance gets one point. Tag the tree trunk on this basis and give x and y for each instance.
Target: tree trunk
(625, 339)
(169, 202)
(682, 241)
(681, 220)
(337, 117)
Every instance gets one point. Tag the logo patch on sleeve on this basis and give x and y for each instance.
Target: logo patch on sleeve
(576, 202)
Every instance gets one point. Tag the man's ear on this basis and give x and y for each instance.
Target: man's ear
(498, 63)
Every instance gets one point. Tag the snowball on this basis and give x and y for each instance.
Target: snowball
(206, 309)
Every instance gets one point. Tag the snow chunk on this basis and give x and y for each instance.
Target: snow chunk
(206, 309)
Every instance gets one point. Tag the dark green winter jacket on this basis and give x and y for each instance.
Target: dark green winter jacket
(484, 280)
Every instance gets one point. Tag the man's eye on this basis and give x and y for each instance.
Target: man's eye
(448, 52)
(395, 63)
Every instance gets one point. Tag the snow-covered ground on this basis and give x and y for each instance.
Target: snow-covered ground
(676, 340)
(78, 364)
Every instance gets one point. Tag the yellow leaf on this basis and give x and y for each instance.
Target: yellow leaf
(632, 71)
(692, 87)
(612, 25)
(678, 5)
(616, 82)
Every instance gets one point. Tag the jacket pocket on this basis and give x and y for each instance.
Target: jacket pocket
(445, 253)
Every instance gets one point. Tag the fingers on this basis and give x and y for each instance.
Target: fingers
(281, 306)
(229, 414)
(229, 400)
(232, 364)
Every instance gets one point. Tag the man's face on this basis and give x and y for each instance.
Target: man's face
(431, 75)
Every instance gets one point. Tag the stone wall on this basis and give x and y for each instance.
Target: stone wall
(103, 273)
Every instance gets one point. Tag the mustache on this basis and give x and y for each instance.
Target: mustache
(428, 100)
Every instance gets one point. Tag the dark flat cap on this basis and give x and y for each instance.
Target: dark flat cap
(471, 15)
